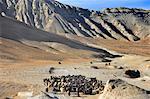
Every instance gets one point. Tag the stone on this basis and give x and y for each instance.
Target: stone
(132, 73)
(119, 89)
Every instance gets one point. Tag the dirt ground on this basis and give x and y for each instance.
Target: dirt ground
(15, 78)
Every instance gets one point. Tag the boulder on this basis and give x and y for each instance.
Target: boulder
(132, 73)
(119, 89)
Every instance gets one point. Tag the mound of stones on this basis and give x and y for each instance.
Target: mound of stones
(119, 89)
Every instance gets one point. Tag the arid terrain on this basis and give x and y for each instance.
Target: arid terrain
(32, 40)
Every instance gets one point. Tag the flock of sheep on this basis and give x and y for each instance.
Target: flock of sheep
(73, 84)
(79, 84)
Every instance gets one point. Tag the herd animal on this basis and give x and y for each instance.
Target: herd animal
(73, 84)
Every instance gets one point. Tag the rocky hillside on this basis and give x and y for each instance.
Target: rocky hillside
(52, 16)
(119, 89)
(21, 42)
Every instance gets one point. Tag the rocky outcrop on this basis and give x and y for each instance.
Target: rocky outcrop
(119, 89)
(52, 16)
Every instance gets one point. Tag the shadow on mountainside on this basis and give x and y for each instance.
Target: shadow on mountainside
(18, 31)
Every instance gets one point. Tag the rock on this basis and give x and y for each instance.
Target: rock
(132, 73)
(51, 70)
(119, 89)
(119, 67)
(9, 98)
(59, 63)
(94, 67)
(106, 60)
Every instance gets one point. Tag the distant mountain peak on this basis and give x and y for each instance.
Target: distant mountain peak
(52, 16)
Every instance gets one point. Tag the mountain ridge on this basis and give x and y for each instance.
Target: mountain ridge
(53, 16)
(20, 34)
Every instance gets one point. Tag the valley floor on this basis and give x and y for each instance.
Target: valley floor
(15, 78)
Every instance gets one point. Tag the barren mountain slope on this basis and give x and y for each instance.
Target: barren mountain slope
(52, 16)
(23, 43)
